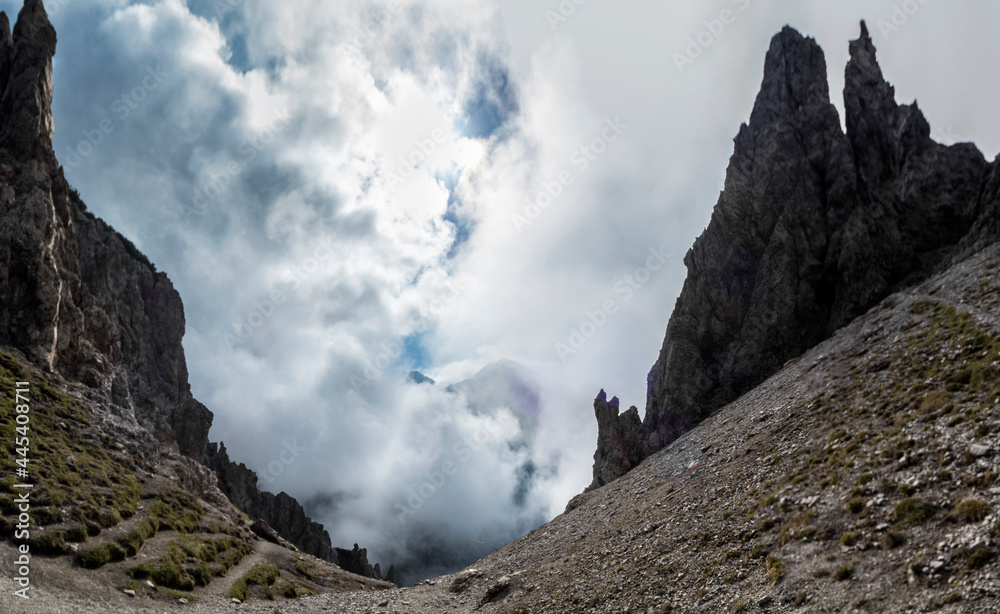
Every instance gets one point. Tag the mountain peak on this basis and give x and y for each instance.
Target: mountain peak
(794, 77)
(416, 377)
(26, 107)
(863, 45)
(882, 132)
(814, 227)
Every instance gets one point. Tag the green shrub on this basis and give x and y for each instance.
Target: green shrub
(100, 556)
(179, 595)
(980, 557)
(177, 510)
(262, 574)
(77, 534)
(856, 505)
(775, 569)
(846, 572)
(913, 511)
(166, 571)
(972, 510)
(109, 519)
(136, 538)
(52, 543)
(45, 516)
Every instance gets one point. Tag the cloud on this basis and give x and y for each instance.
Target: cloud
(334, 189)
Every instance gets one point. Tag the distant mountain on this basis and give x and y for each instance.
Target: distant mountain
(431, 549)
(416, 377)
(503, 384)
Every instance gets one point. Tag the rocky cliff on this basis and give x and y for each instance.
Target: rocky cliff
(356, 562)
(80, 301)
(283, 512)
(77, 298)
(813, 228)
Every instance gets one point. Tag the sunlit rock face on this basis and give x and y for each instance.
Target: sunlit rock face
(77, 298)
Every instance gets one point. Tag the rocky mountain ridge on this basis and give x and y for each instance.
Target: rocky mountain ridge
(80, 302)
(813, 228)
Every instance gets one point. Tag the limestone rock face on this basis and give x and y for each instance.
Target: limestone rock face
(139, 315)
(814, 227)
(77, 298)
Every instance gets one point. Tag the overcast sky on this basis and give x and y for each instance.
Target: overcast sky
(257, 152)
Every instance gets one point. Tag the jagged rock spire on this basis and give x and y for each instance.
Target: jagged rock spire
(814, 227)
(794, 77)
(881, 131)
(26, 107)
